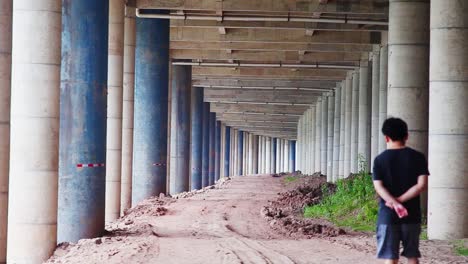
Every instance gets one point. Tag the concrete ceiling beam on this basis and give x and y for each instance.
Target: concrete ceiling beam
(254, 45)
(261, 109)
(245, 82)
(275, 25)
(357, 7)
(269, 35)
(273, 73)
(267, 56)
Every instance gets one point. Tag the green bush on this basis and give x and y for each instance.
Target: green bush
(353, 204)
(289, 179)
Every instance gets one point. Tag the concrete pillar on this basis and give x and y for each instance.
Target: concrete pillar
(305, 151)
(233, 152)
(324, 135)
(311, 159)
(83, 101)
(240, 152)
(6, 7)
(260, 154)
(318, 136)
(298, 144)
(336, 133)
(275, 155)
(408, 47)
(354, 123)
(375, 91)
(286, 155)
(292, 155)
(127, 114)
(255, 154)
(180, 129)
(383, 81)
(227, 150)
(33, 162)
(196, 142)
(364, 108)
(375, 128)
(246, 154)
(217, 172)
(281, 155)
(408, 52)
(268, 155)
(249, 154)
(150, 113)
(114, 108)
(205, 175)
(448, 122)
(330, 135)
(212, 155)
(342, 130)
(348, 122)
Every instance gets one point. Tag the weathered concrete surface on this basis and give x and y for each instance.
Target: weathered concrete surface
(127, 114)
(115, 69)
(32, 217)
(448, 122)
(6, 7)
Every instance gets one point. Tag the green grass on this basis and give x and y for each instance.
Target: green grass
(289, 179)
(353, 204)
(461, 248)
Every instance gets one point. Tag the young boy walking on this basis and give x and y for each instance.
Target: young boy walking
(400, 175)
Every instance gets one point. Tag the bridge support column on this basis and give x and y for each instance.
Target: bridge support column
(5, 92)
(336, 134)
(448, 123)
(212, 155)
(227, 151)
(114, 109)
(348, 124)
(150, 112)
(127, 114)
(354, 123)
(330, 135)
(83, 112)
(33, 165)
(318, 136)
(206, 145)
(363, 148)
(180, 129)
(196, 145)
(375, 128)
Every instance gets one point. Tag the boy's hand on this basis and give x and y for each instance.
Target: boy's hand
(398, 207)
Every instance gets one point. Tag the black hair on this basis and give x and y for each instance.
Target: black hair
(395, 128)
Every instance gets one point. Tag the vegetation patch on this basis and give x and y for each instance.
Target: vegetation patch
(353, 204)
(289, 179)
(461, 247)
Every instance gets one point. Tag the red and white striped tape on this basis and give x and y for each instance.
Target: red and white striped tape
(89, 165)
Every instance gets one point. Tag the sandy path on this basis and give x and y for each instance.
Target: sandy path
(219, 226)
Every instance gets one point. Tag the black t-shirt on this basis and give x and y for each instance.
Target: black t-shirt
(399, 170)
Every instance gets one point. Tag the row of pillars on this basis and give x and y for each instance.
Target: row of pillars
(256, 154)
(420, 75)
(93, 120)
(334, 135)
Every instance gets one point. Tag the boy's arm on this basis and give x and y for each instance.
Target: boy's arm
(390, 201)
(383, 192)
(415, 190)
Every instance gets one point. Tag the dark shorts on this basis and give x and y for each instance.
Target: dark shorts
(389, 237)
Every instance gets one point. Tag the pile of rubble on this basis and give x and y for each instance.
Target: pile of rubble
(285, 214)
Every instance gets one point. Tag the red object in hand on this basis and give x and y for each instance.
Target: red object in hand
(400, 210)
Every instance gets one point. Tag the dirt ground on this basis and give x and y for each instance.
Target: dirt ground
(233, 222)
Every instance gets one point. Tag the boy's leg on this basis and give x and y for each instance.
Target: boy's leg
(410, 238)
(388, 243)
